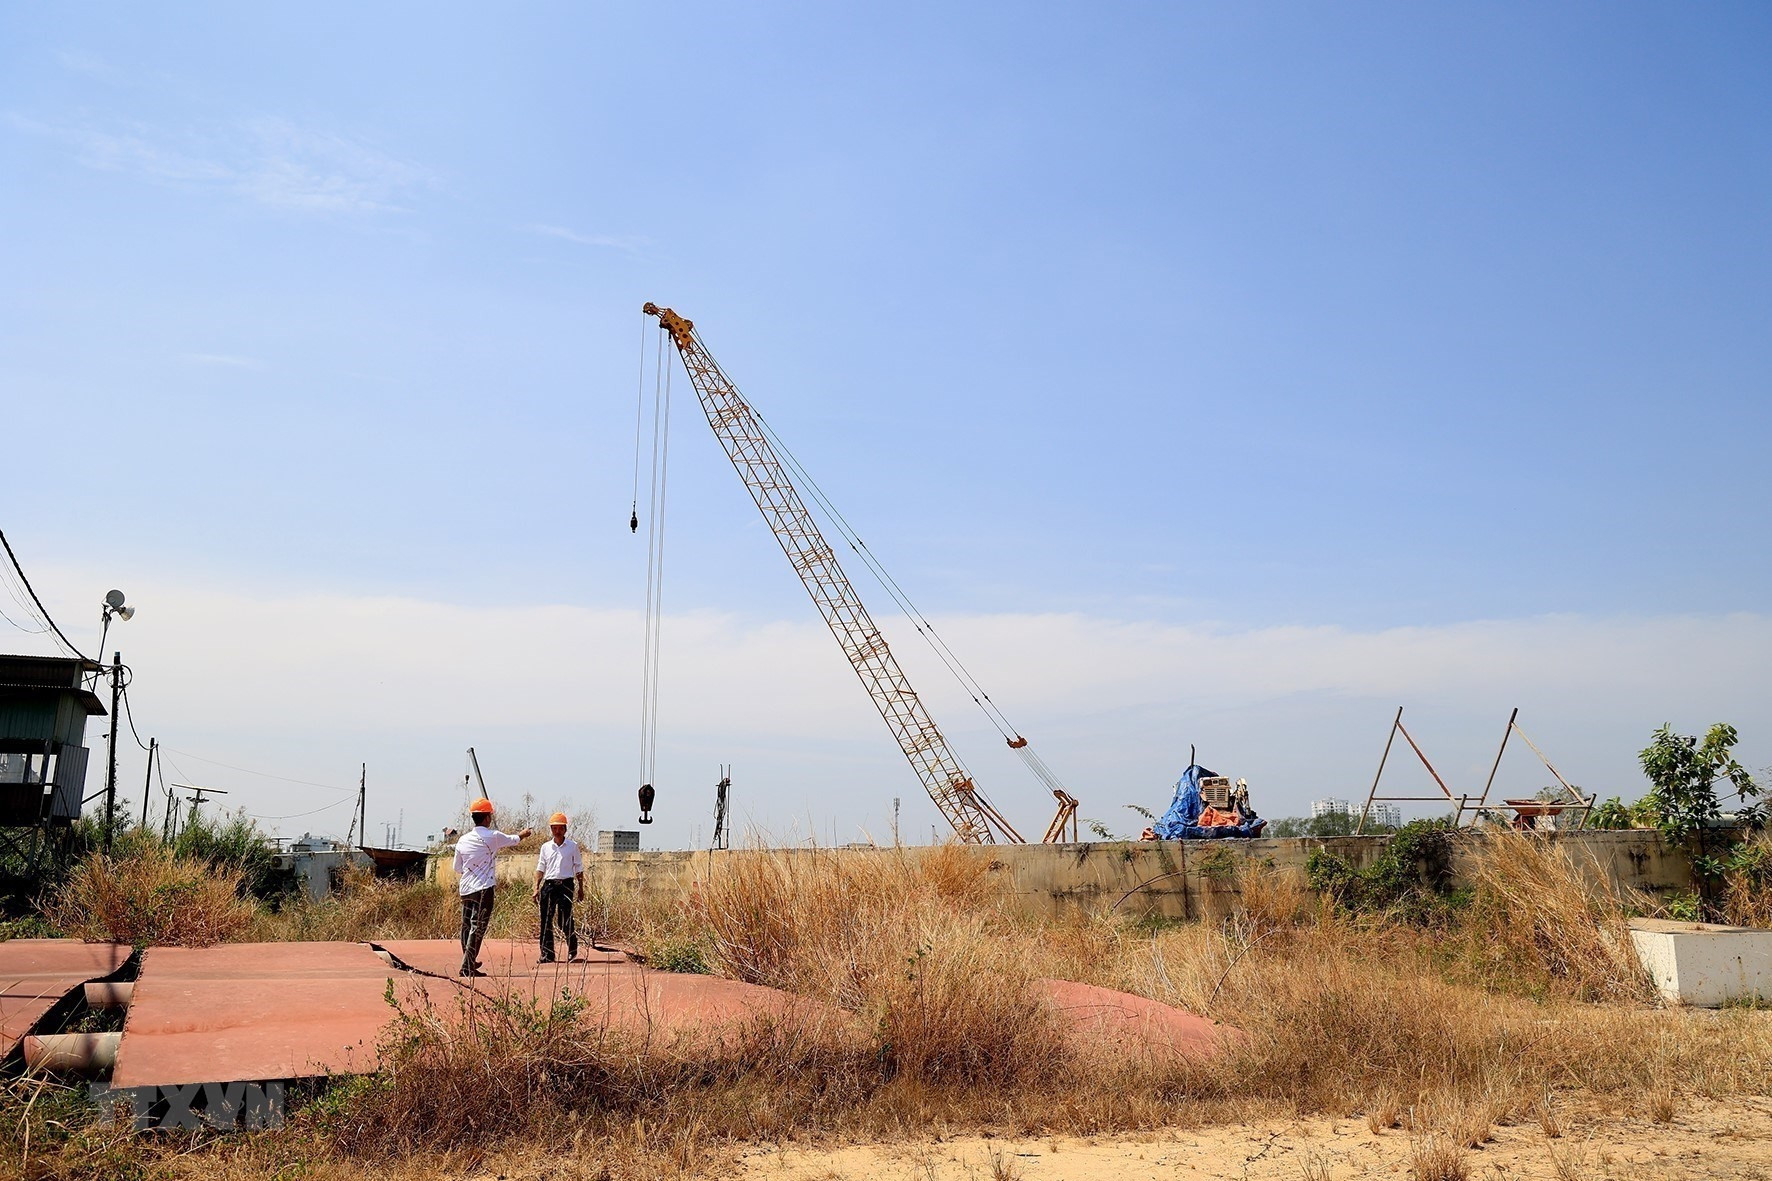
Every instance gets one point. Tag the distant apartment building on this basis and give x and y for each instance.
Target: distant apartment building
(1383, 816)
(1379, 816)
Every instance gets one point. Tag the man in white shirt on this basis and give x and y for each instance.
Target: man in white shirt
(476, 871)
(559, 881)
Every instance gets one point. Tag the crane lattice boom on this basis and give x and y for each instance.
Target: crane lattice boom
(748, 447)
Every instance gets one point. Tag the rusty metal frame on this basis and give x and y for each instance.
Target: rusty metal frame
(1064, 820)
(1582, 802)
(1462, 802)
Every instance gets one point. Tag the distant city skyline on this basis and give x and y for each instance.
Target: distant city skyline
(1378, 812)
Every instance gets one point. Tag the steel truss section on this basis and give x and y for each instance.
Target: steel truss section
(765, 477)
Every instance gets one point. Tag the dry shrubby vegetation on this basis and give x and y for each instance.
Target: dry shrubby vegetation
(1436, 1018)
(149, 895)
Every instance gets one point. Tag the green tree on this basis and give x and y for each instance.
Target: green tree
(1330, 824)
(233, 840)
(1683, 773)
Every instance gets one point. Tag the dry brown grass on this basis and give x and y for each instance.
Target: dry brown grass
(1663, 1103)
(473, 1076)
(1538, 905)
(148, 896)
(1342, 1015)
(1746, 895)
(912, 943)
(367, 908)
(1437, 1157)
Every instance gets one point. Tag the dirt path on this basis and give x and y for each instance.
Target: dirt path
(1729, 1140)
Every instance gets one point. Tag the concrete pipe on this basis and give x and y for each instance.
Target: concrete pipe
(102, 995)
(85, 1054)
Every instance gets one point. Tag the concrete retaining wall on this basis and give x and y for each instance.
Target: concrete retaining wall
(1175, 879)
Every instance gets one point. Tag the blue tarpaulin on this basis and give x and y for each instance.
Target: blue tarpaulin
(1178, 824)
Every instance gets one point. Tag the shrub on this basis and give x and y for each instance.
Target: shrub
(147, 895)
(1683, 773)
(233, 841)
(678, 956)
(365, 907)
(1411, 879)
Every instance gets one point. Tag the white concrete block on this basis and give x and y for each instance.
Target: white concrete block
(1704, 964)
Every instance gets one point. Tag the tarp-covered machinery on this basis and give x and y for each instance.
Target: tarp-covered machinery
(1206, 806)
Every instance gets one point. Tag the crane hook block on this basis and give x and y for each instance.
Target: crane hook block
(647, 795)
(1017, 742)
(634, 521)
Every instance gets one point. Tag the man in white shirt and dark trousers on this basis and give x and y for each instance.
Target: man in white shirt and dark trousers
(559, 881)
(476, 870)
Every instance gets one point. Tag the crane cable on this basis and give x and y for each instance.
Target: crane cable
(969, 683)
(639, 409)
(655, 531)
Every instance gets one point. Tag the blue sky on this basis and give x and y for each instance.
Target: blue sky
(1237, 322)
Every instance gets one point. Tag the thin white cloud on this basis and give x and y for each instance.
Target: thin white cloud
(294, 167)
(631, 243)
(269, 161)
(303, 684)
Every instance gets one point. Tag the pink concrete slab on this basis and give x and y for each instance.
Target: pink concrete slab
(257, 961)
(49, 967)
(628, 997)
(19, 1015)
(499, 957)
(249, 1012)
(1102, 1018)
(36, 973)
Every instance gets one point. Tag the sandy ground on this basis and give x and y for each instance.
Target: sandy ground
(1730, 1139)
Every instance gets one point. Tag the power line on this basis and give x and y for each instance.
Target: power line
(299, 815)
(16, 592)
(43, 611)
(250, 771)
(130, 714)
(35, 631)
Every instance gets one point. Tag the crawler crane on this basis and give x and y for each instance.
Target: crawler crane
(748, 445)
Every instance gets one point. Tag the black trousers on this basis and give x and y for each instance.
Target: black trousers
(476, 916)
(556, 907)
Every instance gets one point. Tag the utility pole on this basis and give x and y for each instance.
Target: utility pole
(196, 801)
(148, 783)
(116, 719)
(895, 822)
(360, 814)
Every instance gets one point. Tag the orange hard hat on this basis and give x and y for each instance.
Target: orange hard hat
(557, 818)
(480, 805)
